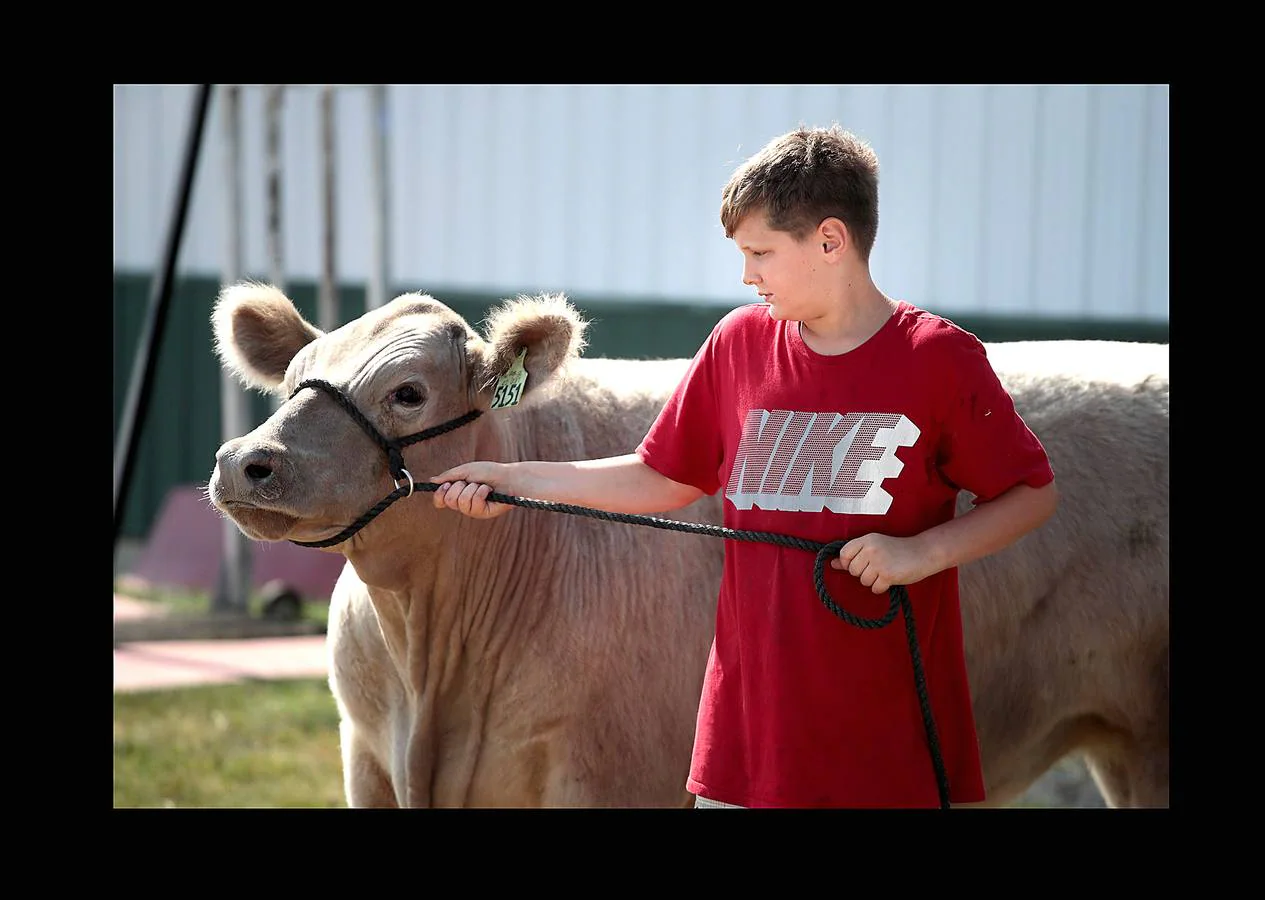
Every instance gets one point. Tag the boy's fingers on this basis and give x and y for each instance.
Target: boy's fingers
(453, 475)
(450, 496)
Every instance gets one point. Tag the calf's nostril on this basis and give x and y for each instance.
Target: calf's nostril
(256, 465)
(257, 472)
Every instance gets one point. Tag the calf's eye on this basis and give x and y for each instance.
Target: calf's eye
(408, 395)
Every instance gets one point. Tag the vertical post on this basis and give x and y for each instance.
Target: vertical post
(376, 295)
(144, 364)
(272, 141)
(273, 99)
(327, 311)
(232, 590)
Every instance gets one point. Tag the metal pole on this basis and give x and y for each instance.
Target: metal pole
(233, 587)
(327, 311)
(274, 98)
(136, 404)
(272, 112)
(378, 130)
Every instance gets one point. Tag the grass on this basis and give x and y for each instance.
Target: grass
(255, 745)
(260, 744)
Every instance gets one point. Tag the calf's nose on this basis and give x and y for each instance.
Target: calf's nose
(254, 465)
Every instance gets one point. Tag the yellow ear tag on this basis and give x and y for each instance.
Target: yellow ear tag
(509, 387)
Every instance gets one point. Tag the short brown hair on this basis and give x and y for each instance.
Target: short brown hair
(804, 176)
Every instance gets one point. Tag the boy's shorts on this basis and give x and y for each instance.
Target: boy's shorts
(704, 803)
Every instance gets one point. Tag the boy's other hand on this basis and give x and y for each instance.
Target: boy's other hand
(880, 561)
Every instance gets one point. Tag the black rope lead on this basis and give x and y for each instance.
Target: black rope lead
(825, 552)
(395, 462)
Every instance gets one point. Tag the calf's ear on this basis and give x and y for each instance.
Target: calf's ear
(257, 331)
(547, 326)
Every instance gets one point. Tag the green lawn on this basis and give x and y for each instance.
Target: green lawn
(261, 744)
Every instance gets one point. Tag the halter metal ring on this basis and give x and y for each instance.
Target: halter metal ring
(396, 481)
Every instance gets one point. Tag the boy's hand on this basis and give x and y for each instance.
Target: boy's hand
(465, 488)
(880, 561)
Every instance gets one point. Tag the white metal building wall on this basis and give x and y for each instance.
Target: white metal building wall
(1043, 200)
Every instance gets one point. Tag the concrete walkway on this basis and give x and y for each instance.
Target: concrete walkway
(153, 665)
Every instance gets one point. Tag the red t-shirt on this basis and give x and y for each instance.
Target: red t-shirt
(800, 708)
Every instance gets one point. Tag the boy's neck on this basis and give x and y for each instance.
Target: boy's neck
(848, 323)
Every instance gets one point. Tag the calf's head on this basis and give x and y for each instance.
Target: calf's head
(312, 468)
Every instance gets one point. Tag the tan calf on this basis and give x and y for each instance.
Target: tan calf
(548, 659)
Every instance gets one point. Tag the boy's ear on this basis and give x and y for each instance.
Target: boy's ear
(832, 234)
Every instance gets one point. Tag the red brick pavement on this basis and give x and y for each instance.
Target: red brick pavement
(150, 665)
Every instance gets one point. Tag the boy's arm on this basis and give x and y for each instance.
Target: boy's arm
(989, 527)
(880, 561)
(622, 484)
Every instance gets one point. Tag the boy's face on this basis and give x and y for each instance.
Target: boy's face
(787, 273)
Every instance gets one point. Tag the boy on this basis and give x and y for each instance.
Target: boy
(828, 411)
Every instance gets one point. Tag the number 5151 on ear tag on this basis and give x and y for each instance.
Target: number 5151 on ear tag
(509, 387)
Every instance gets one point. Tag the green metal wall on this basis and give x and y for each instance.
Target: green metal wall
(181, 431)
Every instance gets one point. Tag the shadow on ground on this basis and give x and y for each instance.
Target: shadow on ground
(1068, 784)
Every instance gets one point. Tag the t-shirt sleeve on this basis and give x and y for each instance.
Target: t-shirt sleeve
(684, 442)
(987, 447)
